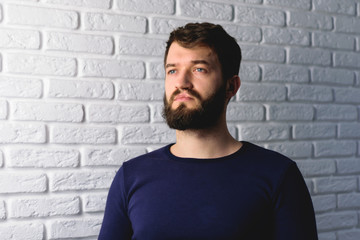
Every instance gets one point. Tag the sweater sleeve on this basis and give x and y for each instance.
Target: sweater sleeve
(294, 213)
(116, 223)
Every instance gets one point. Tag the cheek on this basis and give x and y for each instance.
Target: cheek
(168, 92)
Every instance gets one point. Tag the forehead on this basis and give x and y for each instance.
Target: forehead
(178, 54)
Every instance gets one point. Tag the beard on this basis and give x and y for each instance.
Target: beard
(205, 116)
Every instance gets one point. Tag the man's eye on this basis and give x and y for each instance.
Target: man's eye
(171, 71)
(200, 70)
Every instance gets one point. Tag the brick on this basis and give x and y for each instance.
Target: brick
(2, 210)
(68, 228)
(22, 230)
(347, 59)
(348, 200)
(156, 70)
(349, 130)
(251, 1)
(243, 33)
(1, 159)
(335, 184)
(3, 109)
(309, 56)
(335, 112)
(47, 111)
(103, 4)
(282, 73)
(347, 24)
(262, 92)
(110, 156)
(263, 54)
(349, 234)
(245, 112)
(20, 87)
(153, 134)
(43, 207)
(348, 166)
(112, 68)
(165, 25)
(249, 72)
(156, 113)
(292, 149)
(19, 39)
(146, 91)
(309, 185)
(141, 46)
(327, 236)
(336, 220)
(290, 112)
(334, 6)
(79, 43)
(286, 36)
(22, 133)
(43, 158)
(94, 203)
(114, 23)
(314, 131)
(324, 203)
(80, 180)
(262, 132)
(334, 148)
(22, 182)
(45, 17)
(316, 167)
(259, 16)
(145, 6)
(207, 10)
(102, 113)
(310, 20)
(40, 65)
(332, 76)
(93, 89)
(82, 135)
(309, 93)
(334, 41)
(302, 4)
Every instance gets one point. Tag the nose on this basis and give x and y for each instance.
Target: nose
(184, 81)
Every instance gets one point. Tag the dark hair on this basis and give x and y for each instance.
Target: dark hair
(213, 36)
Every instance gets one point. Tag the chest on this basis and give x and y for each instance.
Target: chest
(195, 204)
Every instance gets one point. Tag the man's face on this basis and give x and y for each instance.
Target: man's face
(195, 94)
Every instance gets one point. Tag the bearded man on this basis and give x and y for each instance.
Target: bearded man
(206, 185)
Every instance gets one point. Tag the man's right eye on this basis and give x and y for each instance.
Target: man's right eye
(171, 71)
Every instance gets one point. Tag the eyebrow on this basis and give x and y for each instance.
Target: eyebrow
(194, 62)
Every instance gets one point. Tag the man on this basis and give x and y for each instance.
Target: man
(207, 185)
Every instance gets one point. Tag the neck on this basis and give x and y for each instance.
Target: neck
(205, 143)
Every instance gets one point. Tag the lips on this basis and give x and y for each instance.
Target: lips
(183, 97)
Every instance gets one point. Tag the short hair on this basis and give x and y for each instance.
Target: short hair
(213, 36)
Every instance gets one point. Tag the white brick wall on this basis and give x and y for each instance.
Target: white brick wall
(81, 87)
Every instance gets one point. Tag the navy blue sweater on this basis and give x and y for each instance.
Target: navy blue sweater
(253, 193)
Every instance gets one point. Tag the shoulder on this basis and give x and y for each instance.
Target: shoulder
(146, 160)
(267, 161)
(264, 154)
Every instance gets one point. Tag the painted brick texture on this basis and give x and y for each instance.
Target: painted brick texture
(81, 88)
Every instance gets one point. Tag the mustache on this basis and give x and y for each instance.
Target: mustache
(191, 92)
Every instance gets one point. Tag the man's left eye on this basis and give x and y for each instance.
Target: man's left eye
(200, 70)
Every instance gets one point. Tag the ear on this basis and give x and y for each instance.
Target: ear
(232, 86)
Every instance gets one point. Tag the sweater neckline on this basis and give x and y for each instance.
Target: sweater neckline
(182, 159)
